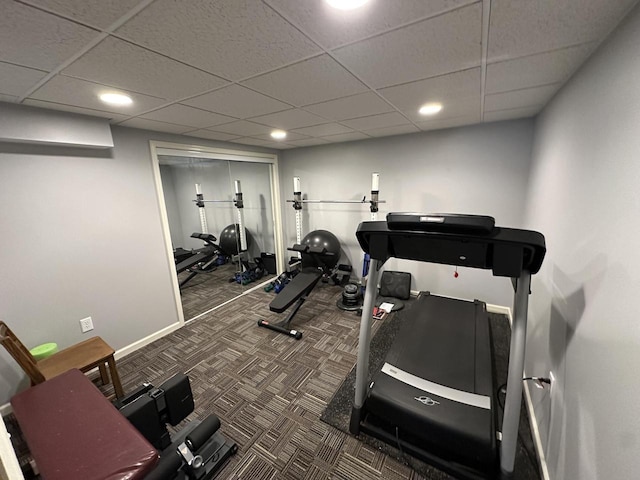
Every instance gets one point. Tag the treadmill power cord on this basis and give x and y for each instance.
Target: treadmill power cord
(502, 390)
(402, 454)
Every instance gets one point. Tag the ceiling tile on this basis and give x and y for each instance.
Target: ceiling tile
(446, 89)
(323, 130)
(183, 115)
(346, 137)
(331, 27)
(377, 121)
(290, 137)
(237, 101)
(120, 64)
(440, 45)
(449, 122)
(311, 81)
(80, 93)
(242, 128)
(361, 105)
(114, 117)
(208, 134)
(153, 125)
(97, 13)
(522, 27)
(259, 143)
(8, 98)
(527, 97)
(15, 80)
(535, 70)
(397, 130)
(232, 38)
(288, 119)
(511, 114)
(37, 39)
(307, 142)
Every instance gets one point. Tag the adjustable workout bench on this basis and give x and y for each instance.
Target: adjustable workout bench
(298, 289)
(203, 259)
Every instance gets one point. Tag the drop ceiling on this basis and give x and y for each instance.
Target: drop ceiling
(234, 70)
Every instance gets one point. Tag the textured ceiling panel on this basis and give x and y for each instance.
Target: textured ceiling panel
(535, 70)
(323, 130)
(114, 117)
(294, 118)
(307, 142)
(231, 38)
(331, 27)
(290, 137)
(242, 128)
(441, 45)
(237, 101)
(98, 13)
(387, 131)
(528, 97)
(391, 119)
(311, 81)
(80, 93)
(523, 27)
(8, 98)
(212, 135)
(511, 114)
(346, 137)
(16, 80)
(445, 89)
(123, 65)
(153, 125)
(36, 39)
(449, 122)
(183, 115)
(260, 143)
(360, 105)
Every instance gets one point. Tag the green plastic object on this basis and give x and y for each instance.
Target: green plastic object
(43, 351)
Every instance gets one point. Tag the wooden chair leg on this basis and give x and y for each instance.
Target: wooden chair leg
(115, 378)
(103, 374)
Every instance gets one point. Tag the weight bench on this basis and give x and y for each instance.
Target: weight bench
(74, 432)
(204, 258)
(296, 291)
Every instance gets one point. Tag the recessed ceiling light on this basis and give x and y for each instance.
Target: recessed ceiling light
(278, 134)
(430, 108)
(116, 98)
(346, 4)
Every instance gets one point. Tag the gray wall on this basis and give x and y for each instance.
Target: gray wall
(81, 235)
(584, 197)
(481, 169)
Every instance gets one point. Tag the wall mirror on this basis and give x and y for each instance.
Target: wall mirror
(220, 221)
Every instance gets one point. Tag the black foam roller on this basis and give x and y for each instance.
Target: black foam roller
(203, 432)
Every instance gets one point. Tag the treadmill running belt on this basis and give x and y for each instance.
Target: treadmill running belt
(437, 384)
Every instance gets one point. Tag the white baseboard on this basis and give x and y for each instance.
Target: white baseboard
(535, 433)
(146, 340)
(500, 309)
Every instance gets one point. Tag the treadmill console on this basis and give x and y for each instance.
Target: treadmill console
(440, 222)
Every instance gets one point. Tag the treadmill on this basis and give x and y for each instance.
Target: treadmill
(434, 396)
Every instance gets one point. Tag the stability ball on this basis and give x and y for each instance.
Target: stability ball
(230, 241)
(322, 239)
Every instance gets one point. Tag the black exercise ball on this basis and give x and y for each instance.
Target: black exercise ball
(321, 239)
(230, 241)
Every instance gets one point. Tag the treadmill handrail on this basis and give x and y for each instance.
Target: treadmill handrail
(506, 251)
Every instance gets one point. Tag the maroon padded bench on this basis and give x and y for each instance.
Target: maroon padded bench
(75, 433)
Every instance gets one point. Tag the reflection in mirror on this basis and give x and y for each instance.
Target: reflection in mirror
(200, 209)
(257, 245)
(205, 200)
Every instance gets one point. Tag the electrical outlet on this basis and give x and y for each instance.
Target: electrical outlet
(86, 324)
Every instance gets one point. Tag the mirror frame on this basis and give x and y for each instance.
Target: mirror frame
(199, 151)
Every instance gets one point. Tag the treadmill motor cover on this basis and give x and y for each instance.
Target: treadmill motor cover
(436, 387)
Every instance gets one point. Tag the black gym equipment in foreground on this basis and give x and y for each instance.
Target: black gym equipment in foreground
(320, 252)
(197, 452)
(202, 260)
(434, 396)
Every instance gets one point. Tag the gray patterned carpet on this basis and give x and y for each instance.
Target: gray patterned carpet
(270, 390)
